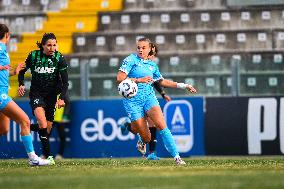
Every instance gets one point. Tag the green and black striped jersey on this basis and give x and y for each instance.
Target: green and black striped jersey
(44, 69)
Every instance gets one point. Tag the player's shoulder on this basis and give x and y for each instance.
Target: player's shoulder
(58, 53)
(34, 52)
(2, 47)
(131, 57)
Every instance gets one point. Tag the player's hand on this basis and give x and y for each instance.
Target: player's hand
(21, 90)
(60, 103)
(146, 79)
(167, 98)
(7, 67)
(191, 89)
(19, 67)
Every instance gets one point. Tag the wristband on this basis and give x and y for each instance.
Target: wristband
(182, 85)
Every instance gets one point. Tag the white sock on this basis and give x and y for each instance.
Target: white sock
(32, 155)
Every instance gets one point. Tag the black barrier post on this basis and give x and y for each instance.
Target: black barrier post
(235, 68)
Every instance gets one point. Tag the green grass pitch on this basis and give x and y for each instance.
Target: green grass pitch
(200, 172)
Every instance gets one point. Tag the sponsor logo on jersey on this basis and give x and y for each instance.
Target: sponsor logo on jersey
(44, 69)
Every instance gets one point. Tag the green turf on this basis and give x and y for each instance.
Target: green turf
(200, 173)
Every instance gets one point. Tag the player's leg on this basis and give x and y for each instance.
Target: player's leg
(39, 113)
(125, 126)
(13, 111)
(152, 144)
(144, 135)
(4, 124)
(34, 127)
(156, 115)
(50, 102)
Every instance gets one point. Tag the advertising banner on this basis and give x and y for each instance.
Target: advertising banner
(244, 126)
(94, 130)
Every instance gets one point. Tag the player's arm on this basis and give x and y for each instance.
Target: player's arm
(122, 76)
(21, 76)
(17, 70)
(7, 67)
(124, 70)
(64, 79)
(160, 90)
(172, 84)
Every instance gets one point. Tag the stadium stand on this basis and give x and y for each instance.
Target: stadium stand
(60, 17)
(197, 40)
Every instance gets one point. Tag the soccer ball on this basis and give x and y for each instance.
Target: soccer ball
(127, 88)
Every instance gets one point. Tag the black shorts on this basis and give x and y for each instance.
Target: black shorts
(45, 100)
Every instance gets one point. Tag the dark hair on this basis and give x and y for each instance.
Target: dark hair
(44, 39)
(154, 49)
(3, 30)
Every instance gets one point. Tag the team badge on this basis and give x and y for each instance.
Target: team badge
(36, 101)
(4, 96)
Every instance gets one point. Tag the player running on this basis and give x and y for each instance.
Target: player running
(126, 126)
(144, 72)
(8, 108)
(49, 78)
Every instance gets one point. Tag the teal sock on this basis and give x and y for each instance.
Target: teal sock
(28, 143)
(169, 142)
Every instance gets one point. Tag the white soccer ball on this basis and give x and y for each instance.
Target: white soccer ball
(127, 88)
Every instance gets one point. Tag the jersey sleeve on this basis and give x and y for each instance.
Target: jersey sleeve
(127, 65)
(28, 61)
(157, 75)
(62, 65)
(21, 75)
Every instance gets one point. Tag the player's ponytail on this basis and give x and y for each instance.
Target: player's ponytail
(154, 49)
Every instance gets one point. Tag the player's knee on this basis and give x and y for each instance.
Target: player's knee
(25, 123)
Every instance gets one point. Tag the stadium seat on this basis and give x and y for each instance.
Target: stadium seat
(265, 84)
(10, 6)
(74, 86)
(157, 4)
(103, 87)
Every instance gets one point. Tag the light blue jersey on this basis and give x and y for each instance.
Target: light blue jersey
(135, 67)
(4, 77)
(4, 61)
(145, 99)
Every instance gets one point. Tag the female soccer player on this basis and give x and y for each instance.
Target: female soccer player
(141, 147)
(49, 78)
(144, 72)
(8, 108)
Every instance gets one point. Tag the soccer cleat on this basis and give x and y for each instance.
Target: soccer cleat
(50, 158)
(179, 161)
(37, 161)
(124, 124)
(153, 156)
(141, 147)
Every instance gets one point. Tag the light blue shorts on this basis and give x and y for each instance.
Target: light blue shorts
(136, 108)
(4, 98)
